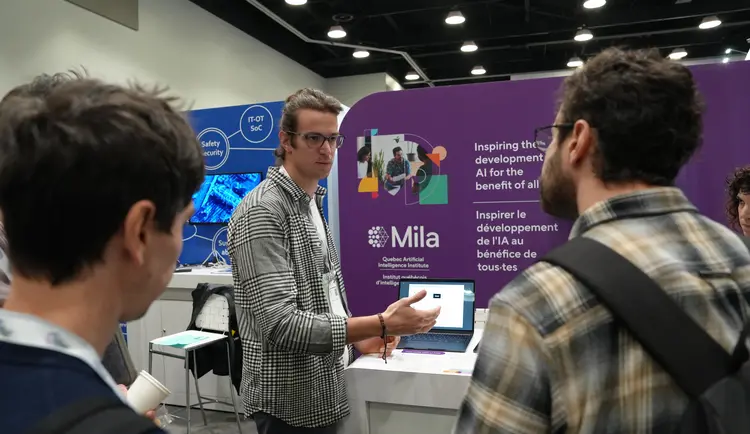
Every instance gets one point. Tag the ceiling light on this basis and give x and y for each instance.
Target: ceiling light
(296, 2)
(411, 75)
(336, 32)
(593, 4)
(583, 35)
(710, 23)
(360, 53)
(468, 47)
(727, 51)
(725, 59)
(678, 53)
(454, 17)
(478, 70)
(575, 62)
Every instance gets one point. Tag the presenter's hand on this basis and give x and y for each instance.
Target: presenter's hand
(149, 414)
(375, 345)
(402, 319)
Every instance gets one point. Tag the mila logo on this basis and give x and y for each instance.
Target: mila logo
(377, 236)
(409, 237)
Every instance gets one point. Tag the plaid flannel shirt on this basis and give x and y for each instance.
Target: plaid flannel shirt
(4, 267)
(552, 359)
(291, 342)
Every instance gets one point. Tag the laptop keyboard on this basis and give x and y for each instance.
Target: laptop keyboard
(438, 337)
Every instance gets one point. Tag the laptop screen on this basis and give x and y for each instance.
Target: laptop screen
(455, 298)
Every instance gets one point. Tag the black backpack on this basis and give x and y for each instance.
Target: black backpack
(95, 416)
(717, 383)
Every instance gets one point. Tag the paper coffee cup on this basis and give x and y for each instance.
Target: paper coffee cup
(146, 393)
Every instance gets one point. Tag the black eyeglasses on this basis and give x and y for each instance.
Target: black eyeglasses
(316, 140)
(543, 135)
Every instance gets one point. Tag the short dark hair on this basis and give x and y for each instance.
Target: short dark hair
(738, 183)
(43, 84)
(396, 150)
(646, 112)
(75, 160)
(306, 98)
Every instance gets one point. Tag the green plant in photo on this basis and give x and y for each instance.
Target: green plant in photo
(378, 166)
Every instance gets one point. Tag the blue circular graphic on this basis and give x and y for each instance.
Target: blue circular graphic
(256, 124)
(189, 232)
(215, 146)
(219, 244)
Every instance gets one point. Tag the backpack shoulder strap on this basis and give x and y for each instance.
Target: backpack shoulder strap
(98, 415)
(693, 359)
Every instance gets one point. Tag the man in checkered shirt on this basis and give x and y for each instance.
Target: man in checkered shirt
(295, 326)
(552, 357)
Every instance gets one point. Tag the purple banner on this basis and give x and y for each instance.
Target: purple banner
(442, 182)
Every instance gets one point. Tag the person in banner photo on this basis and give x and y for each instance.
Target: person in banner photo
(738, 202)
(554, 357)
(364, 164)
(293, 312)
(78, 275)
(397, 171)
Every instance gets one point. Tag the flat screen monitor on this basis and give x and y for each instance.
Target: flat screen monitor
(220, 194)
(455, 298)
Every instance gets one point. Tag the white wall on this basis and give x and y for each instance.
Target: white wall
(200, 57)
(351, 89)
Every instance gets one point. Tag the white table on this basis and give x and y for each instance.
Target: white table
(412, 393)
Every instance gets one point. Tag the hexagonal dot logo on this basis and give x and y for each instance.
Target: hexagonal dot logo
(377, 236)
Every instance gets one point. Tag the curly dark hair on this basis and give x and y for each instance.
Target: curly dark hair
(738, 183)
(645, 109)
(362, 153)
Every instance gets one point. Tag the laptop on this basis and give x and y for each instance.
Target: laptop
(455, 324)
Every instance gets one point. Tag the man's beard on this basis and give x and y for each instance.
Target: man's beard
(557, 191)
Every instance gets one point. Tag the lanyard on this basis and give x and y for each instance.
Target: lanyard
(28, 331)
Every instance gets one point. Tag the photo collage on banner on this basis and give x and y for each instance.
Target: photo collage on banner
(443, 182)
(238, 144)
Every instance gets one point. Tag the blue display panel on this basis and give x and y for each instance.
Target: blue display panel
(235, 140)
(220, 194)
